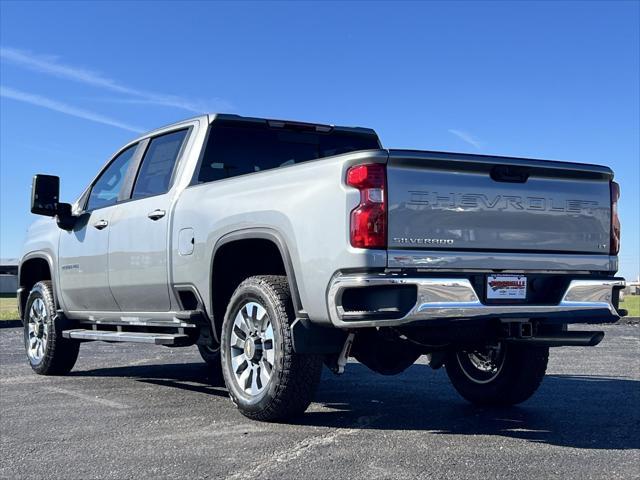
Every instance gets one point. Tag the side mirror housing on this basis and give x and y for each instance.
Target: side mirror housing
(45, 195)
(45, 200)
(65, 218)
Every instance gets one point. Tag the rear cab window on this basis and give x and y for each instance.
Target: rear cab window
(158, 163)
(237, 148)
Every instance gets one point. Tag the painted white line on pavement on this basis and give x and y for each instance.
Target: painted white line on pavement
(88, 398)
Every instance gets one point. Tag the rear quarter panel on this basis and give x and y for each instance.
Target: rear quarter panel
(308, 206)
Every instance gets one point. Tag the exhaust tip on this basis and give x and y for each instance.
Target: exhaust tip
(564, 339)
(596, 338)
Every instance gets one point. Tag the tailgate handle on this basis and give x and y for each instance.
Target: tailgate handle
(510, 174)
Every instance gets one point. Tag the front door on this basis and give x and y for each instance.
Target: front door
(138, 242)
(83, 251)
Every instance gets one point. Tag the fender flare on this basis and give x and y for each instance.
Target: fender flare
(265, 233)
(54, 280)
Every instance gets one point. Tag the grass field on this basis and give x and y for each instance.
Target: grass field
(631, 303)
(8, 307)
(9, 311)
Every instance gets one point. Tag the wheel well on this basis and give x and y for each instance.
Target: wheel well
(31, 272)
(237, 260)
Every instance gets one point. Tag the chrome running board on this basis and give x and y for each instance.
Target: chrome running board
(135, 337)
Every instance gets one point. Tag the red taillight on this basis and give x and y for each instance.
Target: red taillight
(614, 241)
(369, 218)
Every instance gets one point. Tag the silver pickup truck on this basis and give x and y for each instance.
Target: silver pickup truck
(277, 247)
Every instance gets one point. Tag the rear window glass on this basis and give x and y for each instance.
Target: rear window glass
(157, 165)
(238, 149)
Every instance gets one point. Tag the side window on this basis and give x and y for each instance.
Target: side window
(157, 165)
(106, 189)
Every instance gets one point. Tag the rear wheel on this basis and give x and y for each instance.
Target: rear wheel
(48, 352)
(497, 375)
(266, 379)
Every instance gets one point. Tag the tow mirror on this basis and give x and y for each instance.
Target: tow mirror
(45, 200)
(45, 193)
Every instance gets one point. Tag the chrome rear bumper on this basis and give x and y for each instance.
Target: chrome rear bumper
(455, 298)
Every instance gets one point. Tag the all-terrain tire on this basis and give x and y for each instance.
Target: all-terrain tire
(56, 355)
(294, 377)
(520, 375)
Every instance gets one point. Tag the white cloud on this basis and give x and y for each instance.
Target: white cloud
(61, 107)
(50, 65)
(467, 137)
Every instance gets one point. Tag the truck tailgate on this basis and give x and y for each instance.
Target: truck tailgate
(448, 201)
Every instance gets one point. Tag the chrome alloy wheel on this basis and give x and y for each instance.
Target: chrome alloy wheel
(38, 330)
(482, 365)
(252, 348)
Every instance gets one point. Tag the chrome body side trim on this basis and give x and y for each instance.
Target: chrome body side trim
(455, 298)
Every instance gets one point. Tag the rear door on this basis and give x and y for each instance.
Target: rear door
(447, 201)
(138, 245)
(83, 251)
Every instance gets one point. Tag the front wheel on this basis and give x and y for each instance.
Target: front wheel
(266, 378)
(48, 352)
(497, 375)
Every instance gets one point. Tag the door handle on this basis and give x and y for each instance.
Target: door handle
(100, 224)
(156, 214)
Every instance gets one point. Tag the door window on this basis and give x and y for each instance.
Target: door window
(157, 166)
(106, 189)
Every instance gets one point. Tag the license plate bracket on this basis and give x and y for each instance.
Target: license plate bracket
(506, 287)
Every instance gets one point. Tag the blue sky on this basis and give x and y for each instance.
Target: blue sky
(536, 79)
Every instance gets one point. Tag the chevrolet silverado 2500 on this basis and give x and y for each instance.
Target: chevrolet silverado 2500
(277, 247)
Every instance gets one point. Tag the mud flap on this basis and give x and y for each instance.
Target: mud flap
(314, 339)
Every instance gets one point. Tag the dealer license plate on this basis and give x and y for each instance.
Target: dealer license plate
(506, 287)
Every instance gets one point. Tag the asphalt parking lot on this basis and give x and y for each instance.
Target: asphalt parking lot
(140, 411)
